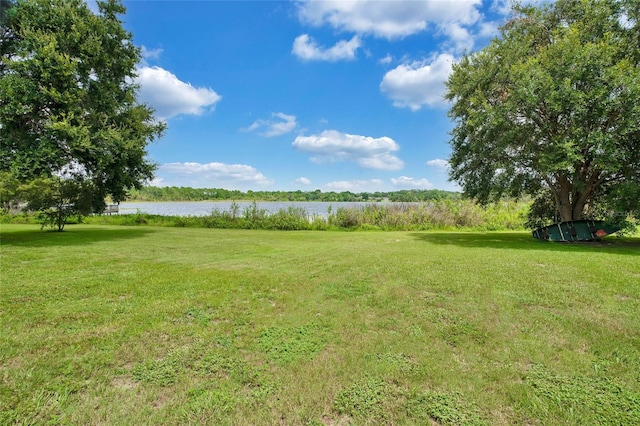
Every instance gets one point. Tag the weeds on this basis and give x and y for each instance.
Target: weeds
(437, 214)
(371, 400)
(287, 345)
(584, 400)
(162, 372)
(363, 399)
(443, 408)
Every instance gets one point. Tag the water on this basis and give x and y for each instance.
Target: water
(204, 208)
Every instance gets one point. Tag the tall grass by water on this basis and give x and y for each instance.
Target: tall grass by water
(158, 325)
(438, 214)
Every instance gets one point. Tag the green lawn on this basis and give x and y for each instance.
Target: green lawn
(150, 325)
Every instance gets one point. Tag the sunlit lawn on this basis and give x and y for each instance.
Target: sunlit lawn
(145, 325)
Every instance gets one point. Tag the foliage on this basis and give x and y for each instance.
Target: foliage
(442, 214)
(56, 199)
(9, 192)
(552, 106)
(68, 97)
(543, 210)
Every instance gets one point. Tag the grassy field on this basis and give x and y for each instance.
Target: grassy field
(150, 325)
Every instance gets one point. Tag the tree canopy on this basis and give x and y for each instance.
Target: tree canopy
(551, 108)
(68, 107)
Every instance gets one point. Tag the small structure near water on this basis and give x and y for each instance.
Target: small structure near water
(111, 209)
(575, 230)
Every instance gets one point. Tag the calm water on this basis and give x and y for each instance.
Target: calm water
(204, 208)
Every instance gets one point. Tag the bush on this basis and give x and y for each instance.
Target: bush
(291, 219)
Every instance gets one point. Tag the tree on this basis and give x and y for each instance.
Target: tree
(9, 192)
(553, 106)
(58, 198)
(68, 98)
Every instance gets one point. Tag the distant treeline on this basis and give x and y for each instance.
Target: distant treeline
(174, 193)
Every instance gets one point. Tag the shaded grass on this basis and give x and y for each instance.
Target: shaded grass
(148, 325)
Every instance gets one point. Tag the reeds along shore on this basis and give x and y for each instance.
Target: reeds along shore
(441, 214)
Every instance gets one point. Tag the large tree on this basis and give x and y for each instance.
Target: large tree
(551, 108)
(68, 107)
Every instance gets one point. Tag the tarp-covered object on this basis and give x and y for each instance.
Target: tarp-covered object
(575, 230)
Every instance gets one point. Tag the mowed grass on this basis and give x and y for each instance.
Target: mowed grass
(145, 325)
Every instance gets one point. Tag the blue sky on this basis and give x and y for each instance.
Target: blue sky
(304, 95)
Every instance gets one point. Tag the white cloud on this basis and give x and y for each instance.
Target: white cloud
(150, 54)
(283, 124)
(438, 163)
(158, 182)
(303, 181)
(170, 97)
(386, 60)
(502, 6)
(387, 19)
(307, 49)
(411, 183)
(214, 174)
(368, 152)
(459, 37)
(489, 29)
(355, 185)
(418, 84)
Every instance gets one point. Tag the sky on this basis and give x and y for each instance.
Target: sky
(343, 95)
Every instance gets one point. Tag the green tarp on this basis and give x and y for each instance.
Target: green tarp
(576, 230)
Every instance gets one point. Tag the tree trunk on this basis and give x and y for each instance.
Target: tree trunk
(563, 200)
(570, 203)
(60, 219)
(578, 207)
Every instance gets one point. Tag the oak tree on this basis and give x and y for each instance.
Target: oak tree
(68, 98)
(551, 109)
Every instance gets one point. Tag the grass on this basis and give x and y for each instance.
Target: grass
(153, 325)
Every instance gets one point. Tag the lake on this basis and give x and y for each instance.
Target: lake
(204, 208)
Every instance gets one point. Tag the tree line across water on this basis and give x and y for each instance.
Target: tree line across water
(175, 193)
